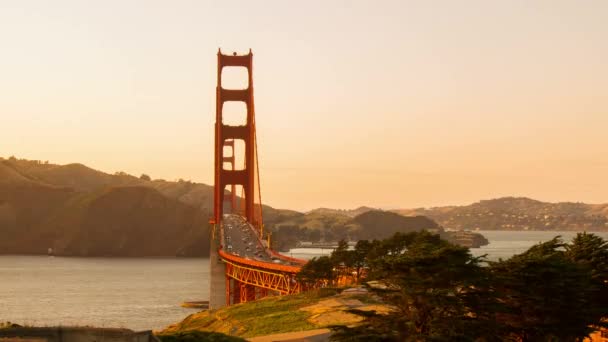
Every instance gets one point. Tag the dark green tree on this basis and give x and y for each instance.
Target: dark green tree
(591, 252)
(359, 258)
(438, 291)
(340, 254)
(547, 293)
(341, 258)
(552, 292)
(394, 245)
(317, 271)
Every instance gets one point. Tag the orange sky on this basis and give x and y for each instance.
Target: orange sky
(389, 103)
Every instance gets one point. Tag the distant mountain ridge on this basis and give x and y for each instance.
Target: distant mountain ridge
(518, 213)
(76, 210)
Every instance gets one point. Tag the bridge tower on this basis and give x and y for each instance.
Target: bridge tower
(226, 135)
(235, 278)
(223, 289)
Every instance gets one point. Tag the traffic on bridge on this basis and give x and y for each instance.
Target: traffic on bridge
(241, 239)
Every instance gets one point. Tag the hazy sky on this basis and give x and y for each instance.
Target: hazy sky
(381, 103)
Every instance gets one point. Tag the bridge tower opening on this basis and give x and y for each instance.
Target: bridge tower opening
(225, 136)
(229, 163)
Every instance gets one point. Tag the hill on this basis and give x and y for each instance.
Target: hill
(76, 210)
(80, 211)
(330, 226)
(130, 221)
(378, 224)
(518, 213)
(81, 178)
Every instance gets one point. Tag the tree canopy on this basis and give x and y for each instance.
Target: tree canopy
(554, 291)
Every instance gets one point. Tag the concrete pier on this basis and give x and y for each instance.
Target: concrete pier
(217, 273)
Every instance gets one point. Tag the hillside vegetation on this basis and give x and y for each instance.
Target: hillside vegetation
(76, 210)
(272, 315)
(331, 226)
(519, 213)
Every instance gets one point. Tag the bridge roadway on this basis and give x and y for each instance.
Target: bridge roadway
(251, 270)
(241, 239)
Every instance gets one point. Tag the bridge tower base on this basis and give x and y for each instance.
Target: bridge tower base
(217, 273)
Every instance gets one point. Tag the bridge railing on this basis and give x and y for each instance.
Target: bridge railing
(258, 264)
(286, 258)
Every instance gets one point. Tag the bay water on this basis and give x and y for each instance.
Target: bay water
(146, 293)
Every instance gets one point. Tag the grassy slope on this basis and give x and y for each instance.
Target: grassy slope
(263, 317)
(275, 315)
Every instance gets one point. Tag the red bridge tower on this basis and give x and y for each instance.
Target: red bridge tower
(225, 136)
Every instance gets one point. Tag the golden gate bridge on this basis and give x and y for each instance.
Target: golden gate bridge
(243, 265)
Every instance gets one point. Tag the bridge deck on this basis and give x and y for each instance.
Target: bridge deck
(240, 240)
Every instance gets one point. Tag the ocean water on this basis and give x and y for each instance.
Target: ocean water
(144, 294)
(138, 294)
(503, 244)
